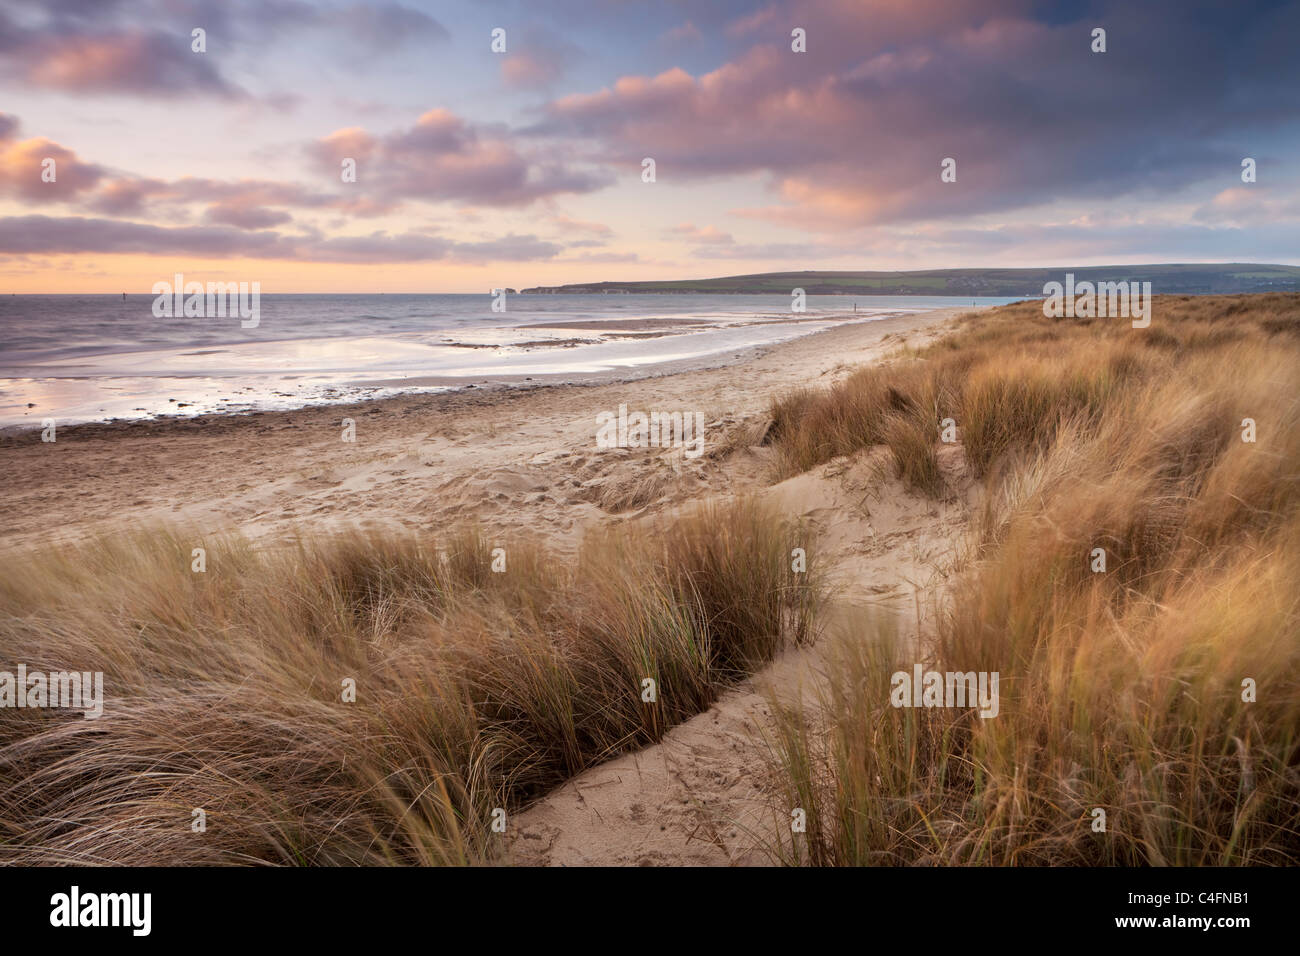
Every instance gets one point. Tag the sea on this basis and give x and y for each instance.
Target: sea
(80, 358)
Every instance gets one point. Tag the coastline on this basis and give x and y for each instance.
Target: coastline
(207, 375)
(514, 456)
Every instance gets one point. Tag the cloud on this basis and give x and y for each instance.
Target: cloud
(530, 70)
(1249, 205)
(247, 216)
(1108, 240)
(413, 247)
(250, 203)
(45, 235)
(150, 63)
(766, 18)
(685, 34)
(442, 157)
(537, 57)
(844, 141)
(23, 164)
(381, 26)
(852, 133)
(103, 46)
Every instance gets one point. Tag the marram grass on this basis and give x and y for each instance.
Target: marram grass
(1162, 691)
(474, 690)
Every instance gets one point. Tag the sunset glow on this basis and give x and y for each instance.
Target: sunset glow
(478, 169)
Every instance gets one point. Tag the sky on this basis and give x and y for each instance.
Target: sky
(479, 168)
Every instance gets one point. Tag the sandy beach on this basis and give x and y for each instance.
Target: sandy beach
(519, 459)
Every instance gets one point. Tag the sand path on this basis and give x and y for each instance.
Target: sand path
(705, 795)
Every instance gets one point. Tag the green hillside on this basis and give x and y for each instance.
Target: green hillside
(1164, 278)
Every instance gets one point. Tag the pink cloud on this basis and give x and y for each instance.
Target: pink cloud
(23, 165)
(149, 63)
(442, 157)
(855, 134)
(528, 69)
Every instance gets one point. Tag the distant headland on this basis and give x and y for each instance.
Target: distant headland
(1177, 278)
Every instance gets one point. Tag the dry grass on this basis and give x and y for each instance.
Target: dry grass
(1120, 690)
(892, 405)
(1012, 377)
(474, 689)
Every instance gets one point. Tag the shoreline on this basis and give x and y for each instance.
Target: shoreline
(221, 379)
(518, 458)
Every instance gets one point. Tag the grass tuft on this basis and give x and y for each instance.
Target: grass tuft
(474, 689)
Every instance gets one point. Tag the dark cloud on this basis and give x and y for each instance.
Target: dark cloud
(853, 132)
(148, 63)
(382, 26)
(414, 247)
(231, 201)
(144, 48)
(45, 235)
(247, 217)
